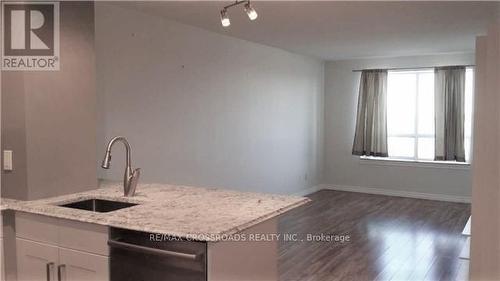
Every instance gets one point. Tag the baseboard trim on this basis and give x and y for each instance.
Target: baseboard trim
(308, 190)
(398, 193)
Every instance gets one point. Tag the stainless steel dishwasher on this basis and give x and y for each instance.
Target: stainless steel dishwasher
(141, 256)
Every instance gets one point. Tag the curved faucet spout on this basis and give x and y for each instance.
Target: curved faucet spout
(130, 177)
(107, 157)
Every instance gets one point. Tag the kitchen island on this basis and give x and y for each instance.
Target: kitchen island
(236, 231)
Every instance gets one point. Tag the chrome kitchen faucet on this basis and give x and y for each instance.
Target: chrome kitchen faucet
(130, 178)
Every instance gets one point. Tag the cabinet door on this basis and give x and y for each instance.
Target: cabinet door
(36, 261)
(81, 266)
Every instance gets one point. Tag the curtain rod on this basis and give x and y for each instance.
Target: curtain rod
(412, 68)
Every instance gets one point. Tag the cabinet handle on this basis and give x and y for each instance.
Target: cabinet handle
(49, 268)
(147, 250)
(60, 273)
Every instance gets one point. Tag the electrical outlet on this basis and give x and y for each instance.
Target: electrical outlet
(7, 160)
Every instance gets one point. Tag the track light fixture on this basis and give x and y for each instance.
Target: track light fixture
(224, 18)
(252, 14)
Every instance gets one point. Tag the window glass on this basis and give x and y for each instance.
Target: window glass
(426, 148)
(426, 103)
(401, 103)
(411, 117)
(401, 147)
(469, 90)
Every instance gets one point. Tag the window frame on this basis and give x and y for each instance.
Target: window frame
(415, 161)
(381, 161)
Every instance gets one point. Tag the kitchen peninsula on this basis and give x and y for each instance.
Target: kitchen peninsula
(158, 221)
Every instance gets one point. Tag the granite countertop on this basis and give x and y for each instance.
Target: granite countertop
(6, 202)
(201, 213)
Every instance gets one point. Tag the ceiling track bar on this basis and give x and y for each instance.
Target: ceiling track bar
(235, 4)
(412, 68)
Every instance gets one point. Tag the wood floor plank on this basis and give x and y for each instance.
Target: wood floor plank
(392, 238)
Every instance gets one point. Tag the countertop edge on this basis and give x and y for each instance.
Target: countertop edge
(231, 231)
(37, 209)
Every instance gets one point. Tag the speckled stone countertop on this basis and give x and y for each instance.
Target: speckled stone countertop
(5, 203)
(181, 211)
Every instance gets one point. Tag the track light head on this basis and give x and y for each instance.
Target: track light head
(224, 19)
(252, 14)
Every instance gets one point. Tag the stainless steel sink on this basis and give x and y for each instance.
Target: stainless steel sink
(98, 205)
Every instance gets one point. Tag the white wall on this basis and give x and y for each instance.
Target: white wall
(485, 238)
(344, 169)
(204, 109)
(48, 117)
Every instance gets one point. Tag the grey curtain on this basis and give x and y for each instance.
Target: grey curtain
(370, 137)
(449, 97)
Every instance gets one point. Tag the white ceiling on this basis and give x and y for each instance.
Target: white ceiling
(341, 30)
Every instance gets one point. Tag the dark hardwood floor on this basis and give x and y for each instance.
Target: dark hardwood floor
(391, 238)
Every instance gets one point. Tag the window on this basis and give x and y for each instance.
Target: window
(410, 114)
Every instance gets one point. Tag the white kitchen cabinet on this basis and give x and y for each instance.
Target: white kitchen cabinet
(40, 261)
(246, 261)
(80, 266)
(56, 249)
(36, 261)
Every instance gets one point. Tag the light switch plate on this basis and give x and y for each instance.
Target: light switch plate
(7, 160)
